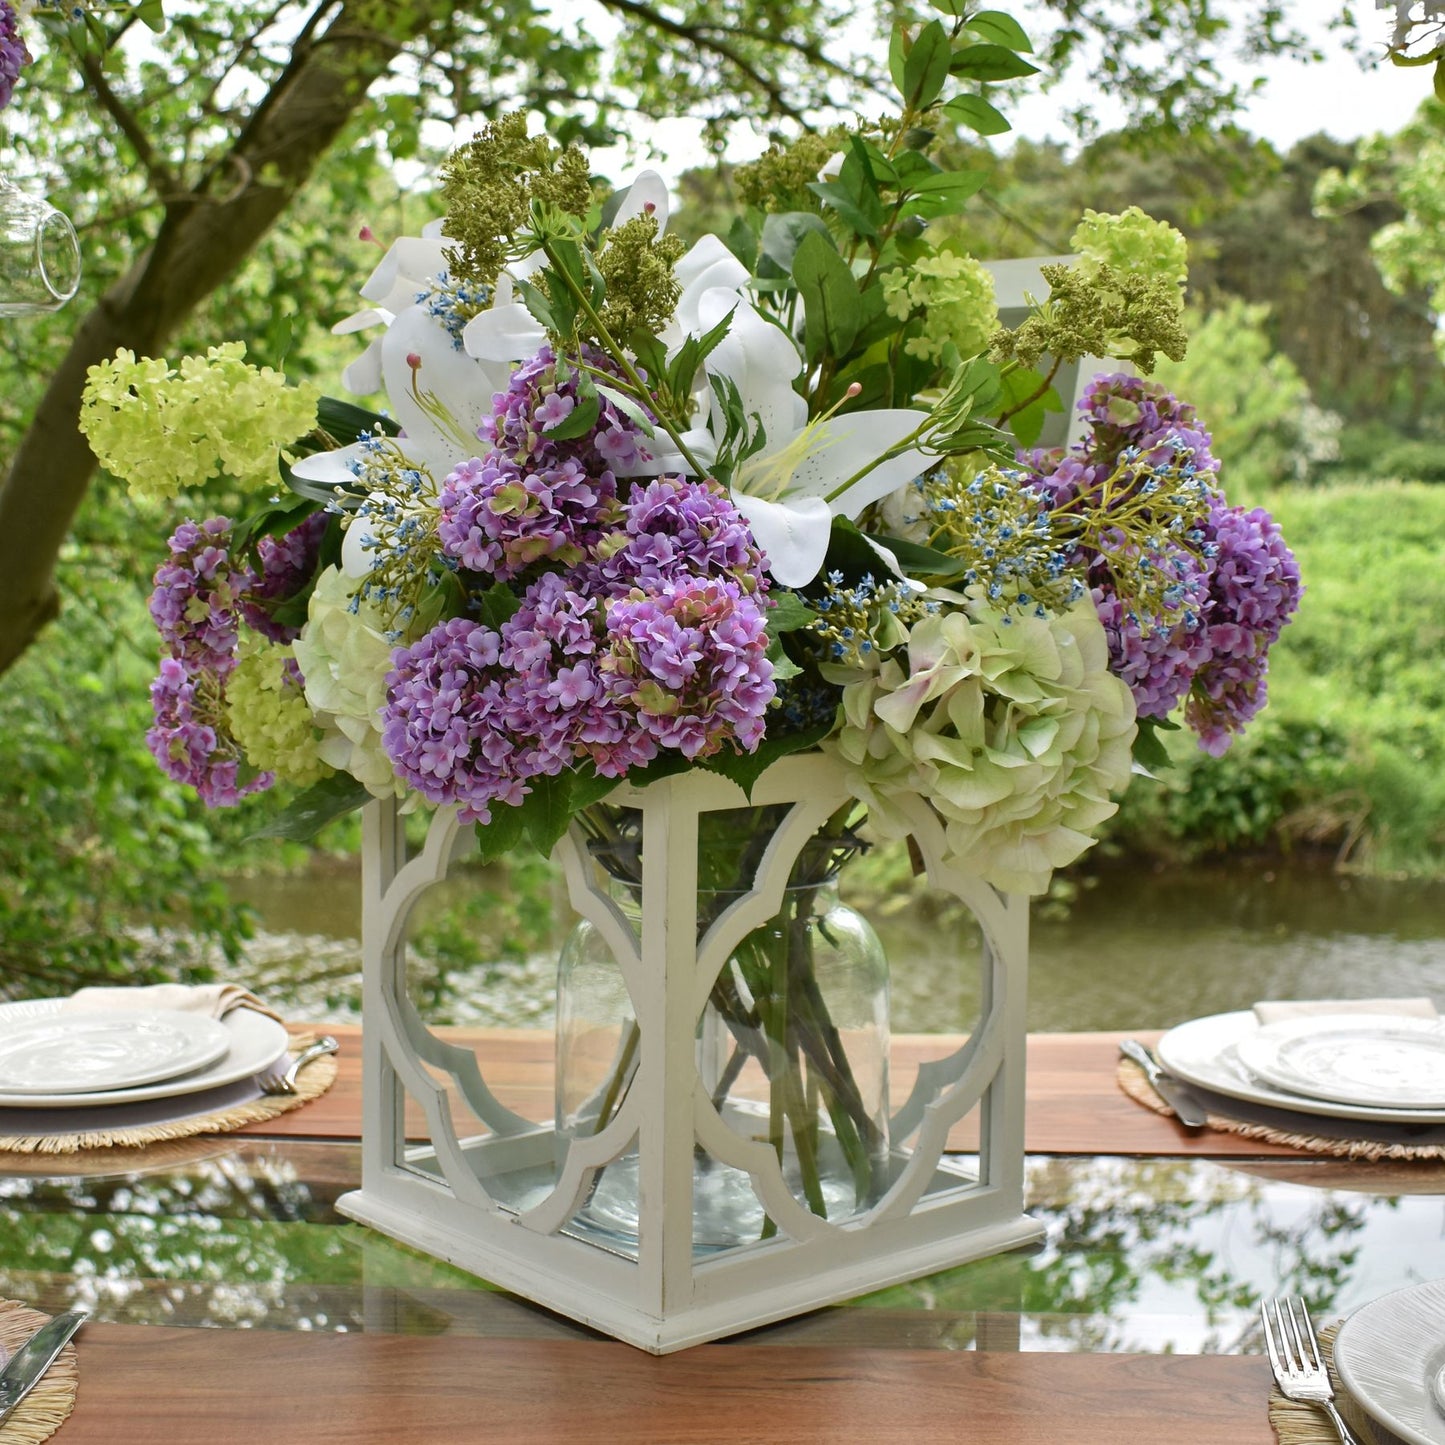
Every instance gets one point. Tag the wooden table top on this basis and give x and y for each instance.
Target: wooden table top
(143, 1385)
(1075, 1107)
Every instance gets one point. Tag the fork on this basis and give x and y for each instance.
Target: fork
(275, 1081)
(1294, 1356)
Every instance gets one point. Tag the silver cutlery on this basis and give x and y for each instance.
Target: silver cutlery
(1294, 1356)
(277, 1081)
(1174, 1092)
(30, 1362)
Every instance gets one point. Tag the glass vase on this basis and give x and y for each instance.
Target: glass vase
(39, 254)
(791, 1048)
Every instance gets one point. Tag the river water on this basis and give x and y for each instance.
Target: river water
(1135, 949)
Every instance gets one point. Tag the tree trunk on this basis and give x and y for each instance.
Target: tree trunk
(202, 242)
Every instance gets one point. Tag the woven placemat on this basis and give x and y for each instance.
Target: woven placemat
(1341, 1146)
(47, 1407)
(313, 1081)
(1297, 1423)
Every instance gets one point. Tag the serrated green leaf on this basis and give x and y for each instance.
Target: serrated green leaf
(1000, 28)
(310, 811)
(832, 307)
(788, 613)
(629, 408)
(990, 63)
(496, 605)
(504, 834)
(539, 304)
(547, 810)
(745, 769)
(926, 67)
(977, 114)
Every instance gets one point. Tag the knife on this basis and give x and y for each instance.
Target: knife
(34, 1357)
(1174, 1093)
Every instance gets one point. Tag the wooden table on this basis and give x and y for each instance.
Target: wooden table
(354, 1339)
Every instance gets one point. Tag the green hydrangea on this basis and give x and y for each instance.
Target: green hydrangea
(162, 430)
(345, 657)
(1009, 724)
(270, 718)
(954, 297)
(1132, 241)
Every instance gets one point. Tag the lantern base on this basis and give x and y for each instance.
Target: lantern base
(798, 1277)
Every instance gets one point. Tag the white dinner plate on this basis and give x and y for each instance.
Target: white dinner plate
(1393, 1063)
(1388, 1354)
(95, 1050)
(253, 1043)
(1206, 1052)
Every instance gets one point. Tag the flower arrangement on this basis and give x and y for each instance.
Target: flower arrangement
(635, 507)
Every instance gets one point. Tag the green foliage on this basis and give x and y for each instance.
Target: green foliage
(101, 860)
(1251, 397)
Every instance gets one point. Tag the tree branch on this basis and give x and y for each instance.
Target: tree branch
(161, 179)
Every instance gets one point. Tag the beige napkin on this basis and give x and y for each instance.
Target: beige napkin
(1278, 1010)
(215, 1000)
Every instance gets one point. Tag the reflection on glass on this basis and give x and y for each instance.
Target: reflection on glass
(39, 254)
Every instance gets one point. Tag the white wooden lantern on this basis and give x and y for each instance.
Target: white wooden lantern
(492, 1192)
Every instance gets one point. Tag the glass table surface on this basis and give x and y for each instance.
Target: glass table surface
(1141, 1255)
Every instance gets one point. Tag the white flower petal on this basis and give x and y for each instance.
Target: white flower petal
(360, 320)
(405, 269)
(331, 468)
(793, 535)
(462, 386)
(845, 444)
(667, 459)
(649, 189)
(363, 376)
(507, 333)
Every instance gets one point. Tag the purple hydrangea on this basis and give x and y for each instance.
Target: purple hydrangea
(197, 598)
(13, 54)
(500, 517)
(1254, 587)
(189, 738)
(288, 563)
(443, 723)
(691, 657)
(674, 528)
(1132, 411)
(535, 402)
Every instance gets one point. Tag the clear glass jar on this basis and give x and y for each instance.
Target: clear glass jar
(792, 1047)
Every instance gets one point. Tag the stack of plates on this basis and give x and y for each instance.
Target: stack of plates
(1376, 1068)
(75, 1064)
(1391, 1358)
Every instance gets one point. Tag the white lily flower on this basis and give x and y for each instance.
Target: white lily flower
(786, 489)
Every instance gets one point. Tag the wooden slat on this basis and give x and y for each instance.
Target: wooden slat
(1074, 1105)
(140, 1385)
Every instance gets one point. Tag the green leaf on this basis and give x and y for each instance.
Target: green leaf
(898, 59)
(151, 14)
(691, 354)
(504, 834)
(583, 417)
(1001, 28)
(920, 561)
(788, 613)
(345, 421)
(832, 305)
(848, 209)
(990, 63)
(926, 67)
(629, 408)
(745, 769)
(977, 114)
(956, 8)
(547, 810)
(310, 811)
(783, 231)
(540, 305)
(1150, 754)
(273, 521)
(496, 605)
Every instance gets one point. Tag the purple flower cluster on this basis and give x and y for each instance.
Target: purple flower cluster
(1253, 589)
(13, 54)
(501, 517)
(535, 401)
(1241, 581)
(288, 563)
(196, 607)
(653, 639)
